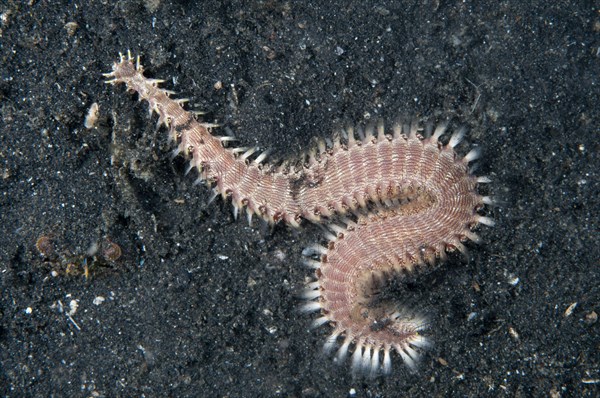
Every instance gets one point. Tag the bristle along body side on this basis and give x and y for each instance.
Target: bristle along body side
(404, 199)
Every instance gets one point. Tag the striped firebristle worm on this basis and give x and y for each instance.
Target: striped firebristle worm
(391, 200)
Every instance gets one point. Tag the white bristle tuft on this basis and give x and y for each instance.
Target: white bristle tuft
(175, 152)
(330, 342)
(411, 351)
(294, 223)
(387, 361)
(366, 359)
(249, 214)
(239, 149)
(488, 200)
(311, 306)
(473, 237)
(350, 136)
(343, 350)
(410, 362)
(213, 194)
(361, 134)
(439, 131)
(374, 362)
(248, 153)
(328, 142)
(338, 229)
(310, 263)
(368, 132)
(483, 180)
(343, 133)
(262, 156)
(420, 323)
(330, 237)
(414, 128)
(486, 221)
(314, 249)
(235, 212)
(348, 222)
(210, 125)
(380, 131)
(356, 359)
(473, 154)
(319, 322)
(420, 341)
(395, 315)
(311, 294)
(413, 355)
(313, 285)
(428, 130)
(460, 247)
(397, 130)
(162, 119)
(456, 138)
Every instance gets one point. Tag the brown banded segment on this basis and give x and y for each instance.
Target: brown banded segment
(430, 210)
(389, 241)
(415, 199)
(343, 177)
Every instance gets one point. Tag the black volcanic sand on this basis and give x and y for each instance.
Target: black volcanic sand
(199, 304)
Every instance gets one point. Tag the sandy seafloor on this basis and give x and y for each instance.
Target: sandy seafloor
(202, 305)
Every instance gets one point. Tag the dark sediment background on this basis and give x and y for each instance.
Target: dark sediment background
(199, 304)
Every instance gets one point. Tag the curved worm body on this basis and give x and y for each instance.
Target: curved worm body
(401, 200)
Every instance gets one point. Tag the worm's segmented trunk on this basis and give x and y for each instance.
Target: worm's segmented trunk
(408, 200)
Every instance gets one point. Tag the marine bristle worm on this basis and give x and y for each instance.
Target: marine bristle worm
(391, 199)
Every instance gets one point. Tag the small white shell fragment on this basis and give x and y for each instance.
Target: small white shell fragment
(570, 309)
(73, 305)
(92, 116)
